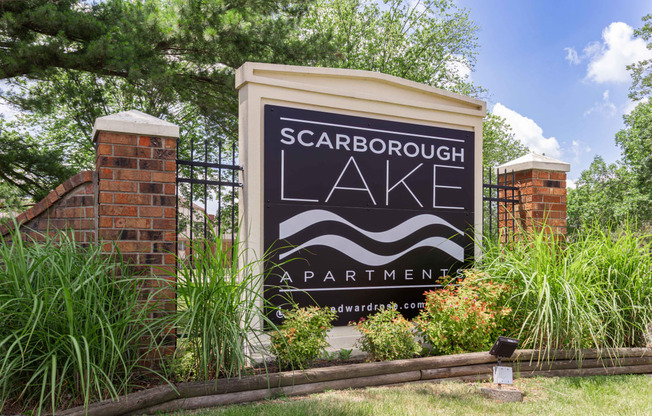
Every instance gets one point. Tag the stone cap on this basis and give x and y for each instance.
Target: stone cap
(366, 85)
(535, 161)
(135, 122)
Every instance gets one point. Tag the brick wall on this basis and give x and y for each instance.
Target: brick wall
(137, 206)
(128, 202)
(71, 206)
(137, 196)
(542, 196)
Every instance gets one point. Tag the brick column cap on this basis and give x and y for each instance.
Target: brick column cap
(534, 161)
(135, 122)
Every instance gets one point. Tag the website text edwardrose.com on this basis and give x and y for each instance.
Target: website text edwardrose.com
(372, 307)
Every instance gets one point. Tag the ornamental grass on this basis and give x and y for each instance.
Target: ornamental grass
(73, 325)
(592, 292)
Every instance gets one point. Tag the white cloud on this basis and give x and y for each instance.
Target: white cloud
(593, 48)
(572, 57)
(631, 105)
(528, 132)
(604, 107)
(608, 59)
(579, 149)
(570, 184)
(462, 69)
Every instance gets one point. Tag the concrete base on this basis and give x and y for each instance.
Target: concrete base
(340, 337)
(503, 394)
(343, 337)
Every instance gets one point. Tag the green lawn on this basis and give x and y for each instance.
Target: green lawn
(616, 395)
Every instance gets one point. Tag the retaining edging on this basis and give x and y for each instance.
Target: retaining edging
(461, 367)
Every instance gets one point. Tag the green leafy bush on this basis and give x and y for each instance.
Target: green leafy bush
(465, 316)
(72, 321)
(592, 292)
(302, 336)
(345, 354)
(387, 335)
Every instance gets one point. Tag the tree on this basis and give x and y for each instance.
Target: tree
(596, 196)
(635, 140)
(176, 59)
(620, 192)
(28, 166)
(69, 62)
(499, 145)
(642, 71)
(174, 43)
(432, 41)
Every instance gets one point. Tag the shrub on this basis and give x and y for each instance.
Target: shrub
(593, 292)
(71, 323)
(387, 335)
(220, 309)
(465, 316)
(302, 336)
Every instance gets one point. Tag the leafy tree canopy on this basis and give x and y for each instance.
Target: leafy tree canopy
(635, 140)
(642, 71)
(65, 63)
(26, 164)
(597, 188)
(619, 192)
(499, 144)
(69, 62)
(433, 42)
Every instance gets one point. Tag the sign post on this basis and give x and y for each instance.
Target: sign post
(363, 189)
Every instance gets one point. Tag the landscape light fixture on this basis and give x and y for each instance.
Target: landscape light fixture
(504, 347)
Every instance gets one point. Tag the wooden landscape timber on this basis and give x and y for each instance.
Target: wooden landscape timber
(461, 367)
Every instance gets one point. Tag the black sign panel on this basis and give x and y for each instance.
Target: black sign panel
(362, 212)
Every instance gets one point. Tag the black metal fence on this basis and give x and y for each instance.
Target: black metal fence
(499, 204)
(207, 193)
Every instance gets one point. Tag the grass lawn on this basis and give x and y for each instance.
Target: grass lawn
(616, 395)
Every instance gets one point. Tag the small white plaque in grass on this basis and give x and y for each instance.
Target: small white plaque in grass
(503, 375)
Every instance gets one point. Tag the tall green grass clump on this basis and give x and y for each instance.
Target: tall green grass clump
(71, 323)
(220, 302)
(592, 292)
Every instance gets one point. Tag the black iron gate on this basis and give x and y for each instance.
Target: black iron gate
(499, 204)
(207, 186)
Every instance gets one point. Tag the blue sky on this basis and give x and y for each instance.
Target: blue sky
(555, 70)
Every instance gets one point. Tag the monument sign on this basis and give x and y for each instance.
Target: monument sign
(360, 203)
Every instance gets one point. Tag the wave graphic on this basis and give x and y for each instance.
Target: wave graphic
(364, 256)
(306, 219)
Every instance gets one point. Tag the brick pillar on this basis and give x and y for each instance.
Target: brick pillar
(136, 165)
(541, 183)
